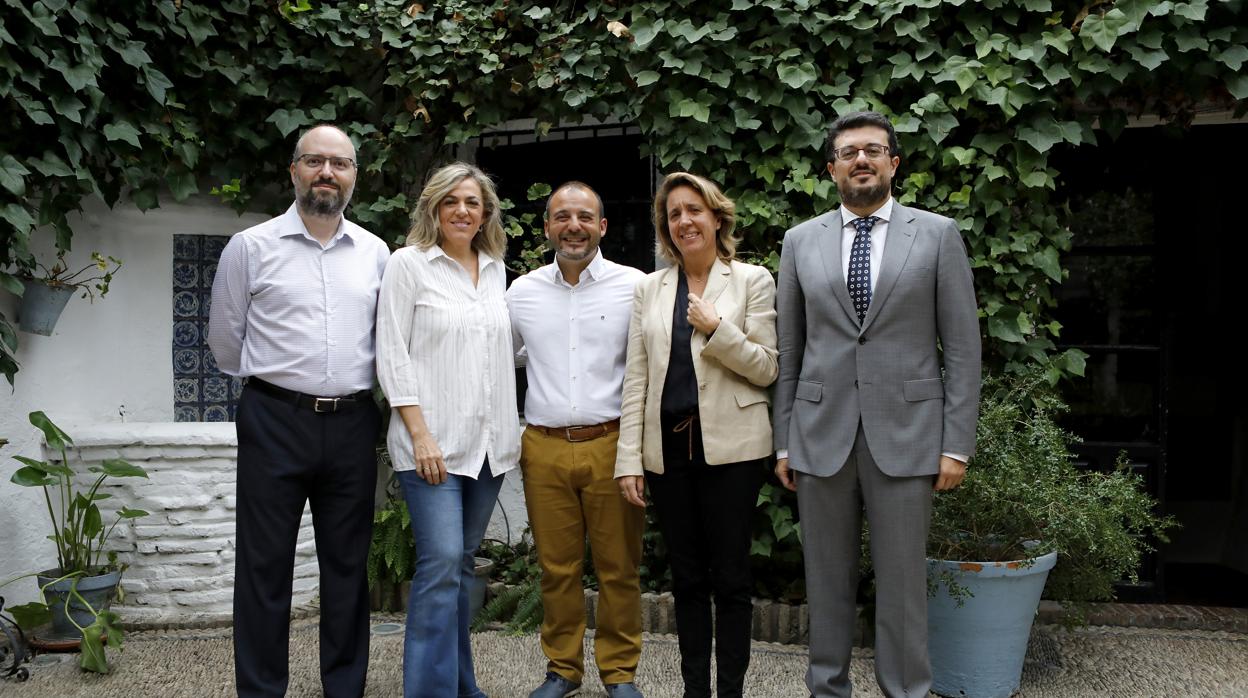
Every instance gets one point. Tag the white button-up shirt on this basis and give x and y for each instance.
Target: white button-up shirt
(295, 313)
(445, 345)
(573, 340)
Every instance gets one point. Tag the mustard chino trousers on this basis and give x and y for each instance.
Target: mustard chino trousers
(570, 492)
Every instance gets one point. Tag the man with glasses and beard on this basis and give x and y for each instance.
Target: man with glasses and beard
(293, 312)
(876, 402)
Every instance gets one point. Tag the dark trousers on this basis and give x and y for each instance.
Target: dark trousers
(705, 514)
(287, 456)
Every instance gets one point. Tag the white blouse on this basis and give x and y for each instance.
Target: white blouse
(446, 346)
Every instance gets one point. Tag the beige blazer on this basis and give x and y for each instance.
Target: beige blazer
(734, 367)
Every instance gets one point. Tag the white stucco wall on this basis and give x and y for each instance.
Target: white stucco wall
(106, 362)
(111, 362)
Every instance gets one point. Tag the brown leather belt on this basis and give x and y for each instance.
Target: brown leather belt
(588, 432)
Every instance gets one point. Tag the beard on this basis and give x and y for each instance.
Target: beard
(319, 203)
(574, 256)
(865, 195)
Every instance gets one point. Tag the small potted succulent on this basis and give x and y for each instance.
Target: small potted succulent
(75, 594)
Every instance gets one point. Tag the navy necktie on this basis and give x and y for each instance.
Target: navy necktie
(859, 281)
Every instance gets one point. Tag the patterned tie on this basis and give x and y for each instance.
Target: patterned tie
(860, 266)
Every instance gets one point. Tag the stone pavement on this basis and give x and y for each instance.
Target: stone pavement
(1093, 661)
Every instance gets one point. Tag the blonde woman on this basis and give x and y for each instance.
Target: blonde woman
(444, 360)
(694, 423)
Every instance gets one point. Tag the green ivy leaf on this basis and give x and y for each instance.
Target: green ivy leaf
(1237, 85)
(50, 165)
(695, 109)
(1047, 261)
(1036, 179)
(644, 30)
(122, 131)
(1004, 328)
(181, 184)
(1149, 59)
(157, 83)
(1194, 10)
(77, 76)
(797, 76)
(938, 126)
(1232, 57)
(68, 106)
(288, 121)
(994, 172)
(13, 285)
(1103, 31)
(133, 53)
(1190, 40)
(18, 217)
(13, 175)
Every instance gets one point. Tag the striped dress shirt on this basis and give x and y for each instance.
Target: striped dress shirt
(446, 346)
(294, 313)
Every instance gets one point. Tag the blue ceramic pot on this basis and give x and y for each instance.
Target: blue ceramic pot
(41, 306)
(977, 649)
(97, 591)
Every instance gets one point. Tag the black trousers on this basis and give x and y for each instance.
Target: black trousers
(705, 514)
(287, 456)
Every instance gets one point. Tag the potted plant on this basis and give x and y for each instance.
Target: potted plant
(46, 290)
(1023, 509)
(392, 558)
(76, 593)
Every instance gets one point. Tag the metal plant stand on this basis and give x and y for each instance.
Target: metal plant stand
(14, 650)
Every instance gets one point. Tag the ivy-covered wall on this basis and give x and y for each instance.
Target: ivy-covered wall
(172, 97)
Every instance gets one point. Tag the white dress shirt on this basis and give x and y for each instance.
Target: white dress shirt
(879, 233)
(445, 345)
(573, 340)
(295, 313)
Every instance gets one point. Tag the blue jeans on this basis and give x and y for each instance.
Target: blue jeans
(448, 522)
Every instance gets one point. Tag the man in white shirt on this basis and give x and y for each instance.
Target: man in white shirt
(293, 310)
(876, 402)
(571, 320)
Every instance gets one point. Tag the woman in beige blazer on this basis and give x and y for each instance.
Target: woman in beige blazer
(694, 422)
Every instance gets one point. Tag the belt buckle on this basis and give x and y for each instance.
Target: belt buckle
(332, 403)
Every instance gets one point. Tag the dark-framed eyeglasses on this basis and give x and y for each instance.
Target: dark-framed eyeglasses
(874, 151)
(313, 161)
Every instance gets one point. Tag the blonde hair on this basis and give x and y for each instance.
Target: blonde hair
(720, 205)
(427, 232)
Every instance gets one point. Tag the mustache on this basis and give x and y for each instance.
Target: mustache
(329, 182)
(862, 170)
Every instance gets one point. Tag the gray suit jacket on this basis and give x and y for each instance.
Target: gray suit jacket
(885, 372)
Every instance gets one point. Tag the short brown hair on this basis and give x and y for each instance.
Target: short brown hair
(716, 201)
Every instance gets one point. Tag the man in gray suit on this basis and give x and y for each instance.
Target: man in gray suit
(876, 401)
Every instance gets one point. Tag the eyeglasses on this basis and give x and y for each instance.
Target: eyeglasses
(316, 162)
(874, 151)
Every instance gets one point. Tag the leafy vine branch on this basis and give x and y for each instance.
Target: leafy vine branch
(168, 99)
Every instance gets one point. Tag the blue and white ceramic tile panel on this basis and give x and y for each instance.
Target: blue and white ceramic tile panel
(201, 392)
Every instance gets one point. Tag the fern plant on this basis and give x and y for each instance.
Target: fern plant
(518, 607)
(392, 554)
